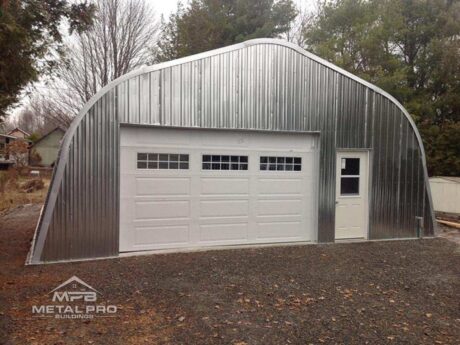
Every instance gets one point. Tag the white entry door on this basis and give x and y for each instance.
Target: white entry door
(351, 213)
(188, 188)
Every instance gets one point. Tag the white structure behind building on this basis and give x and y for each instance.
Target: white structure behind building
(446, 194)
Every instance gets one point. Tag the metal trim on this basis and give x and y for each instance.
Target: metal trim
(126, 124)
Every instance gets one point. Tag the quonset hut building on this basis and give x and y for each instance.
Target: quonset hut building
(259, 142)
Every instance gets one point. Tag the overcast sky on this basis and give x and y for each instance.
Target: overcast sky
(165, 7)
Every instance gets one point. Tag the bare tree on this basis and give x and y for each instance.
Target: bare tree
(26, 120)
(299, 25)
(123, 33)
(38, 117)
(51, 112)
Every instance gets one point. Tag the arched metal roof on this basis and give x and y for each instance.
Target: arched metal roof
(89, 151)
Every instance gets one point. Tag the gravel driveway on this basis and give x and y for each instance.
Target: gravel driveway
(395, 292)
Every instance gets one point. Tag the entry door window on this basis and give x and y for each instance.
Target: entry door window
(349, 176)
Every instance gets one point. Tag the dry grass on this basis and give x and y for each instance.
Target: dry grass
(14, 196)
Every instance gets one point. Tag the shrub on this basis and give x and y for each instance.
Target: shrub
(35, 158)
(4, 177)
(33, 185)
(18, 153)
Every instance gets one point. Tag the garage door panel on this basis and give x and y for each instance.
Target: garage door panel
(285, 144)
(224, 208)
(271, 230)
(281, 185)
(226, 186)
(286, 207)
(195, 207)
(280, 217)
(145, 210)
(161, 235)
(129, 185)
(223, 232)
(309, 167)
(146, 140)
(213, 139)
(157, 186)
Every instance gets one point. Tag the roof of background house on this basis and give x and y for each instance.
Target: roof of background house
(8, 136)
(51, 131)
(19, 129)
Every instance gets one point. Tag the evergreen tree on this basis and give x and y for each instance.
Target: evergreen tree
(203, 25)
(410, 48)
(29, 38)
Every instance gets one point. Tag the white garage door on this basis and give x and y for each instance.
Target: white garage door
(188, 188)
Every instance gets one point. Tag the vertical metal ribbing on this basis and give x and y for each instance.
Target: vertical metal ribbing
(402, 176)
(376, 192)
(83, 222)
(387, 143)
(397, 159)
(144, 99)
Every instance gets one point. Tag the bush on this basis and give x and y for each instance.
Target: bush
(13, 175)
(33, 185)
(35, 158)
(3, 181)
(8, 178)
(18, 152)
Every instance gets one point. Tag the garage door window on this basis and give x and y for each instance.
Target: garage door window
(224, 162)
(280, 163)
(169, 161)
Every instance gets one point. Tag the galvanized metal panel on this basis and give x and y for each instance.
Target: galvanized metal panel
(86, 208)
(259, 85)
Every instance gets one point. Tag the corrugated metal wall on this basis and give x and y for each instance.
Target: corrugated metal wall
(263, 86)
(85, 216)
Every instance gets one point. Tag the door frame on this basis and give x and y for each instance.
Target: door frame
(367, 202)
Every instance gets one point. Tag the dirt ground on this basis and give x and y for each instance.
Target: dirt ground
(395, 292)
(447, 232)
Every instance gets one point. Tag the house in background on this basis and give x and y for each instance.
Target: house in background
(45, 151)
(19, 133)
(5, 162)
